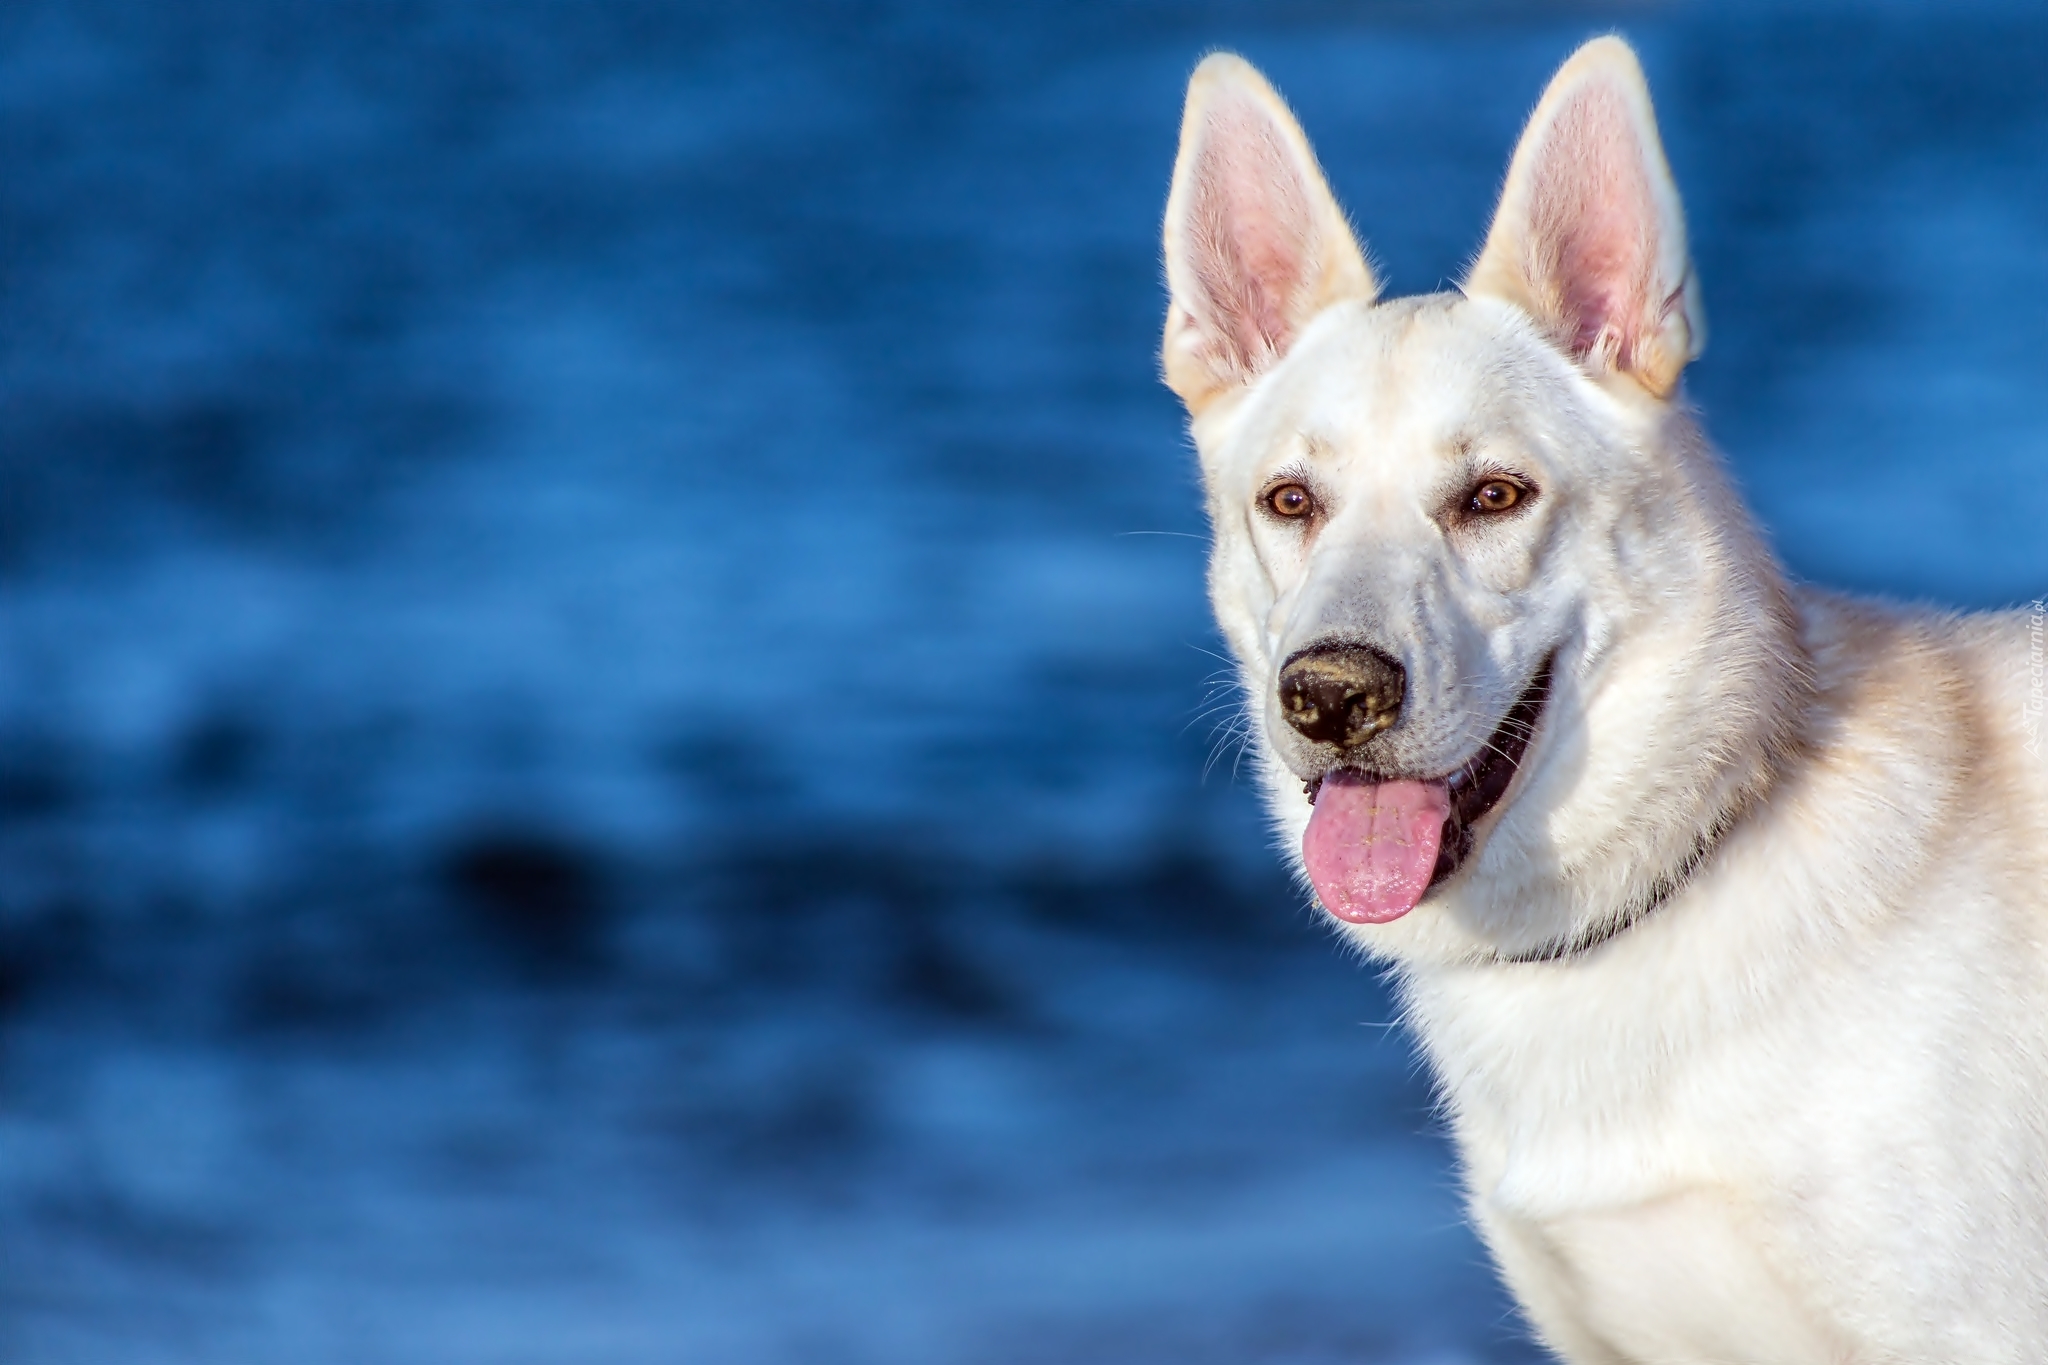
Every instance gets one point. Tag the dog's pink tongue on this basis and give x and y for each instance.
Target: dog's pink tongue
(1371, 846)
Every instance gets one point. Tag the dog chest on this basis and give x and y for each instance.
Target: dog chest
(1618, 1187)
(1682, 1279)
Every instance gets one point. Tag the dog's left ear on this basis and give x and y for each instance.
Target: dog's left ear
(1589, 238)
(1255, 242)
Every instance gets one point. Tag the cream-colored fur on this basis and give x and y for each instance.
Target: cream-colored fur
(1739, 1007)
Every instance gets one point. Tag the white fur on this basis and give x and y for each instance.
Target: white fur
(1795, 1110)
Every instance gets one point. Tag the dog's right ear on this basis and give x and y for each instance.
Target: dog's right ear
(1255, 242)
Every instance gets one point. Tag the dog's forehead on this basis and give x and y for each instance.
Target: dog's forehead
(1410, 373)
(1406, 365)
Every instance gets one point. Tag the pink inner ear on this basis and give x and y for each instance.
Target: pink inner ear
(1250, 233)
(1592, 223)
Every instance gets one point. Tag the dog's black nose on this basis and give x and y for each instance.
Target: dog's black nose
(1341, 694)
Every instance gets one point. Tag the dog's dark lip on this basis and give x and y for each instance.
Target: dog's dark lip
(1477, 787)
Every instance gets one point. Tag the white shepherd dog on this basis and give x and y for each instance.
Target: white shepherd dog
(1720, 903)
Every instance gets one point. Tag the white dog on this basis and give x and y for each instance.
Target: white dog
(1720, 904)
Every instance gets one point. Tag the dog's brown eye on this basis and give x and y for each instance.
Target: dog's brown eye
(1290, 500)
(1496, 495)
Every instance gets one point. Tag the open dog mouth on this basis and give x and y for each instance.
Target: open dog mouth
(1375, 846)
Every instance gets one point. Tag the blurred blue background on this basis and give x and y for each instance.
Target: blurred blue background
(608, 733)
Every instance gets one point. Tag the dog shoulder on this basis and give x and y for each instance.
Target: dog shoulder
(1930, 721)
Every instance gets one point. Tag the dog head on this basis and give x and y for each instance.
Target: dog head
(1498, 617)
